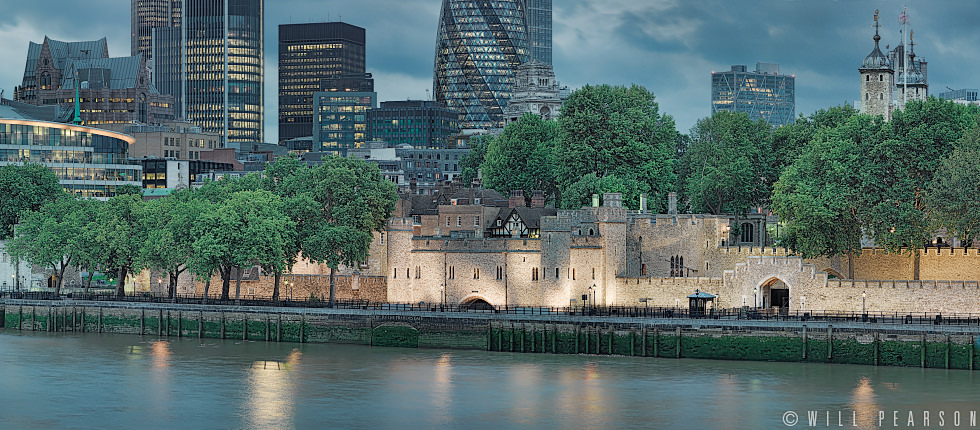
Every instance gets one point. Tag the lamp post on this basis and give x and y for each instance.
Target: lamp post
(864, 312)
(442, 296)
(755, 297)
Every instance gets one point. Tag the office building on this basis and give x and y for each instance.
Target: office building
(89, 162)
(478, 46)
(311, 57)
(421, 124)
(538, 14)
(763, 94)
(146, 16)
(340, 121)
(212, 63)
(161, 173)
(175, 140)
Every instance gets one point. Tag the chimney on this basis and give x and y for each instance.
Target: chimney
(643, 202)
(516, 199)
(612, 200)
(537, 199)
(672, 203)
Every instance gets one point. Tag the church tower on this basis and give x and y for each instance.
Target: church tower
(877, 84)
(913, 82)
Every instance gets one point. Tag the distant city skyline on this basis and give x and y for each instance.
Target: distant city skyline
(670, 47)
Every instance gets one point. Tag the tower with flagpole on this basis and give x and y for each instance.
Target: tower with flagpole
(877, 80)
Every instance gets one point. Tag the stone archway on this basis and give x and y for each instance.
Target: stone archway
(475, 303)
(774, 281)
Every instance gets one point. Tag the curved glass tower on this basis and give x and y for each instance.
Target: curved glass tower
(212, 63)
(478, 46)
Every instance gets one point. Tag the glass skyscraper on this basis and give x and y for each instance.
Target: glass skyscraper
(762, 94)
(147, 15)
(478, 46)
(212, 63)
(310, 55)
(539, 29)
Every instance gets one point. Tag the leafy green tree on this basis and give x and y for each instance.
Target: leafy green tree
(591, 184)
(520, 157)
(121, 235)
(87, 246)
(954, 194)
(170, 223)
(470, 164)
(619, 131)
(213, 193)
(128, 189)
(47, 237)
(899, 167)
(247, 228)
(25, 188)
(729, 168)
(789, 140)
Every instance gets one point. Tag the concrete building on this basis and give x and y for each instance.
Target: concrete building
(89, 162)
(763, 94)
(161, 173)
(212, 63)
(421, 124)
(964, 96)
(309, 56)
(111, 90)
(177, 140)
(478, 47)
(536, 91)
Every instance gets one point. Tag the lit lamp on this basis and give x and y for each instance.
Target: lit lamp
(864, 295)
(755, 297)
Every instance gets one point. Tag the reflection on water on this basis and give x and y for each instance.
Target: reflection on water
(864, 405)
(183, 383)
(269, 402)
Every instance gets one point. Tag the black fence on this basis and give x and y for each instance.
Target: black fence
(745, 313)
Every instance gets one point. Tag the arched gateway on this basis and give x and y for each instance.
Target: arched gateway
(779, 282)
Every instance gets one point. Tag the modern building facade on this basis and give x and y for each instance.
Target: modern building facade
(478, 47)
(89, 162)
(421, 124)
(212, 63)
(763, 94)
(538, 14)
(340, 121)
(146, 16)
(536, 91)
(161, 173)
(310, 56)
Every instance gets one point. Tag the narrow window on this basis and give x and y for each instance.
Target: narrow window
(447, 221)
(459, 221)
(573, 274)
(556, 273)
(593, 273)
(643, 269)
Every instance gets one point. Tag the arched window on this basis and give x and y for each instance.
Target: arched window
(45, 81)
(881, 78)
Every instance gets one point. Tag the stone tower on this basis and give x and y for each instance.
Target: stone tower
(914, 80)
(877, 84)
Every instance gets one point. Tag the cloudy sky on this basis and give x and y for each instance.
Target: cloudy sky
(669, 46)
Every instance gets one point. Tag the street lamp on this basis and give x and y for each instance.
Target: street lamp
(755, 297)
(864, 295)
(442, 296)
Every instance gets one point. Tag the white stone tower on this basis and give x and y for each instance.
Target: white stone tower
(877, 76)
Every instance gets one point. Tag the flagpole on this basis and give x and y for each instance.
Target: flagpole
(905, 63)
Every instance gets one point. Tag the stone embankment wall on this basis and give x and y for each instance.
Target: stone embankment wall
(947, 347)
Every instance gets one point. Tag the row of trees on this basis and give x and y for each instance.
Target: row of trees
(832, 177)
(325, 214)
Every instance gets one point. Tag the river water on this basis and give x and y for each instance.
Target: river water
(93, 381)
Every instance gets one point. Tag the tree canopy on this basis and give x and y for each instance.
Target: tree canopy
(521, 157)
(25, 188)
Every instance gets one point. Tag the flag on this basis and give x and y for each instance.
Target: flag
(902, 18)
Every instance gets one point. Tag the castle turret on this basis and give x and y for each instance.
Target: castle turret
(877, 77)
(914, 81)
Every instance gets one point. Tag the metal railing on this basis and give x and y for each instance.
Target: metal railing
(744, 313)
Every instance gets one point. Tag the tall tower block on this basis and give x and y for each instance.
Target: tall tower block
(877, 75)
